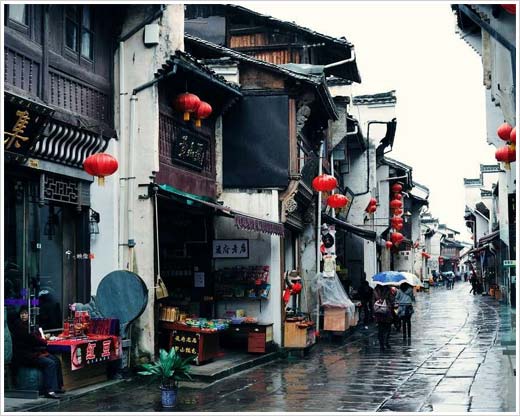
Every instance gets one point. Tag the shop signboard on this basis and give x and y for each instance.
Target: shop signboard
(509, 263)
(186, 343)
(23, 122)
(230, 249)
(189, 149)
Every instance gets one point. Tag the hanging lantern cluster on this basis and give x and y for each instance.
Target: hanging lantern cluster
(396, 206)
(188, 104)
(100, 165)
(372, 206)
(506, 154)
(327, 183)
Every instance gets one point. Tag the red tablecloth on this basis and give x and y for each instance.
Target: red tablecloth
(88, 351)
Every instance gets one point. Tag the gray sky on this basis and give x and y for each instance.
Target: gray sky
(412, 47)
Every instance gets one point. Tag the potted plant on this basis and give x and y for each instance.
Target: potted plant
(170, 368)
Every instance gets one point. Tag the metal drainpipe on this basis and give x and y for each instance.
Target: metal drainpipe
(131, 152)
(318, 238)
(122, 153)
(345, 61)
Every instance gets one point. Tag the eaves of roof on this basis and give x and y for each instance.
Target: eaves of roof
(379, 98)
(189, 62)
(395, 164)
(340, 42)
(316, 81)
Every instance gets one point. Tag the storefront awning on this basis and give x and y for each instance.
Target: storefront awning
(361, 232)
(243, 221)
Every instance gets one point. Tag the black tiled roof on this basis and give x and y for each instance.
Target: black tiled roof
(380, 98)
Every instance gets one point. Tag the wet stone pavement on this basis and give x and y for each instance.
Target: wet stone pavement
(455, 362)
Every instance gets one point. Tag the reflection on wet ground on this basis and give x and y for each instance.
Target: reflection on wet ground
(454, 362)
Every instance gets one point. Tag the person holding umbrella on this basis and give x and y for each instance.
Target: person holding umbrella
(404, 299)
(383, 307)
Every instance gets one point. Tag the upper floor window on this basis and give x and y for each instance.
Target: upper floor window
(18, 17)
(78, 31)
(18, 13)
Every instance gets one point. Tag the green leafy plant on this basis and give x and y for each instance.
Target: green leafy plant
(170, 368)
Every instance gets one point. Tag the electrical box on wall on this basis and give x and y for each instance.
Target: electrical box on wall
(151, 34)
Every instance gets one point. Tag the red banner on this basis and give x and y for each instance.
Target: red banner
(91, 351)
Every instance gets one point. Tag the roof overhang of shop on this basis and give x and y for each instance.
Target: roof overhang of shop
(345, 226)
(243, 221)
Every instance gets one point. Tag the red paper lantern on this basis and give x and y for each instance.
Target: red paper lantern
(395, 204)
(100, 165)
(337, 201)
(372, 206)
(398, 211)
(203, 111)
(396, 238)
(510, 8)
(512, 136)
(389, 245)
(398, 226)
(187, 103)
(324, 183)
(505, 154)
(397, 187)
(398, 196)
(504, 131)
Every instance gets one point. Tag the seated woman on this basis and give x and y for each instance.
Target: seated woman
(29, 350)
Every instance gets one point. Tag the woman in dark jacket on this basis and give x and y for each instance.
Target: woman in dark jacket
(29, 350)
(383, 314)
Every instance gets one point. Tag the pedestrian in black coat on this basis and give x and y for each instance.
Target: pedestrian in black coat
(383, 314)
(29, 350)
(365, 295)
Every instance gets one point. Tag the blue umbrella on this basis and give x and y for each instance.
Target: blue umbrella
(389, 278)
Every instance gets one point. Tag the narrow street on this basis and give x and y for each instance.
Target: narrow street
(455, 362)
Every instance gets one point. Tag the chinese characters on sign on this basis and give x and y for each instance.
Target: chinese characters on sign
(189, 149)
(186, 343)
(23, 122)
(90, 351)
(231, 249)
(15, 136)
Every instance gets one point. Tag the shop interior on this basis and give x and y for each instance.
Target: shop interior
(202, 312)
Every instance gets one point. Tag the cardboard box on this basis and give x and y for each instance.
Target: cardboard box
(335, 319)
(295, 337)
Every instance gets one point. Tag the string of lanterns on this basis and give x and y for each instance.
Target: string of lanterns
(189, 104)
(396, 221)
(327, 183)
(506, 154)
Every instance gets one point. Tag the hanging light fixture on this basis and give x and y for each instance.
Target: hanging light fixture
(100, 165)
(324, 183)
(397, 187)
(187, 103)
(203, 111)
(94, 218)
(504, 131)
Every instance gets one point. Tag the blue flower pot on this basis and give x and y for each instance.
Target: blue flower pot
(168, 396)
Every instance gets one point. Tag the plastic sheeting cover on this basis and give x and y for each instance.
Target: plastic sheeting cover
(332, 293)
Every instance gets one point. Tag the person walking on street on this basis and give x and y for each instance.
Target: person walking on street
(404, 299)
(365, 294)
(383, 306)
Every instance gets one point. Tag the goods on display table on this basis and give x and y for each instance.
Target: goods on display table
(86, 344)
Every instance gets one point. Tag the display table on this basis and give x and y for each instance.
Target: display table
(84, 360)
(257, 337)
(187, 340)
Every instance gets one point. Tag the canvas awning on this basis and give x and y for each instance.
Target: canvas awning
(345, 226)
(243, 221)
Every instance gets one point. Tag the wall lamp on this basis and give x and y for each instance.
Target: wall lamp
(93, 221)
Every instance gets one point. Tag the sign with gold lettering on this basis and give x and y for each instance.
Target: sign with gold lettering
(186, 343)
(24, 121)
(189, 149)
